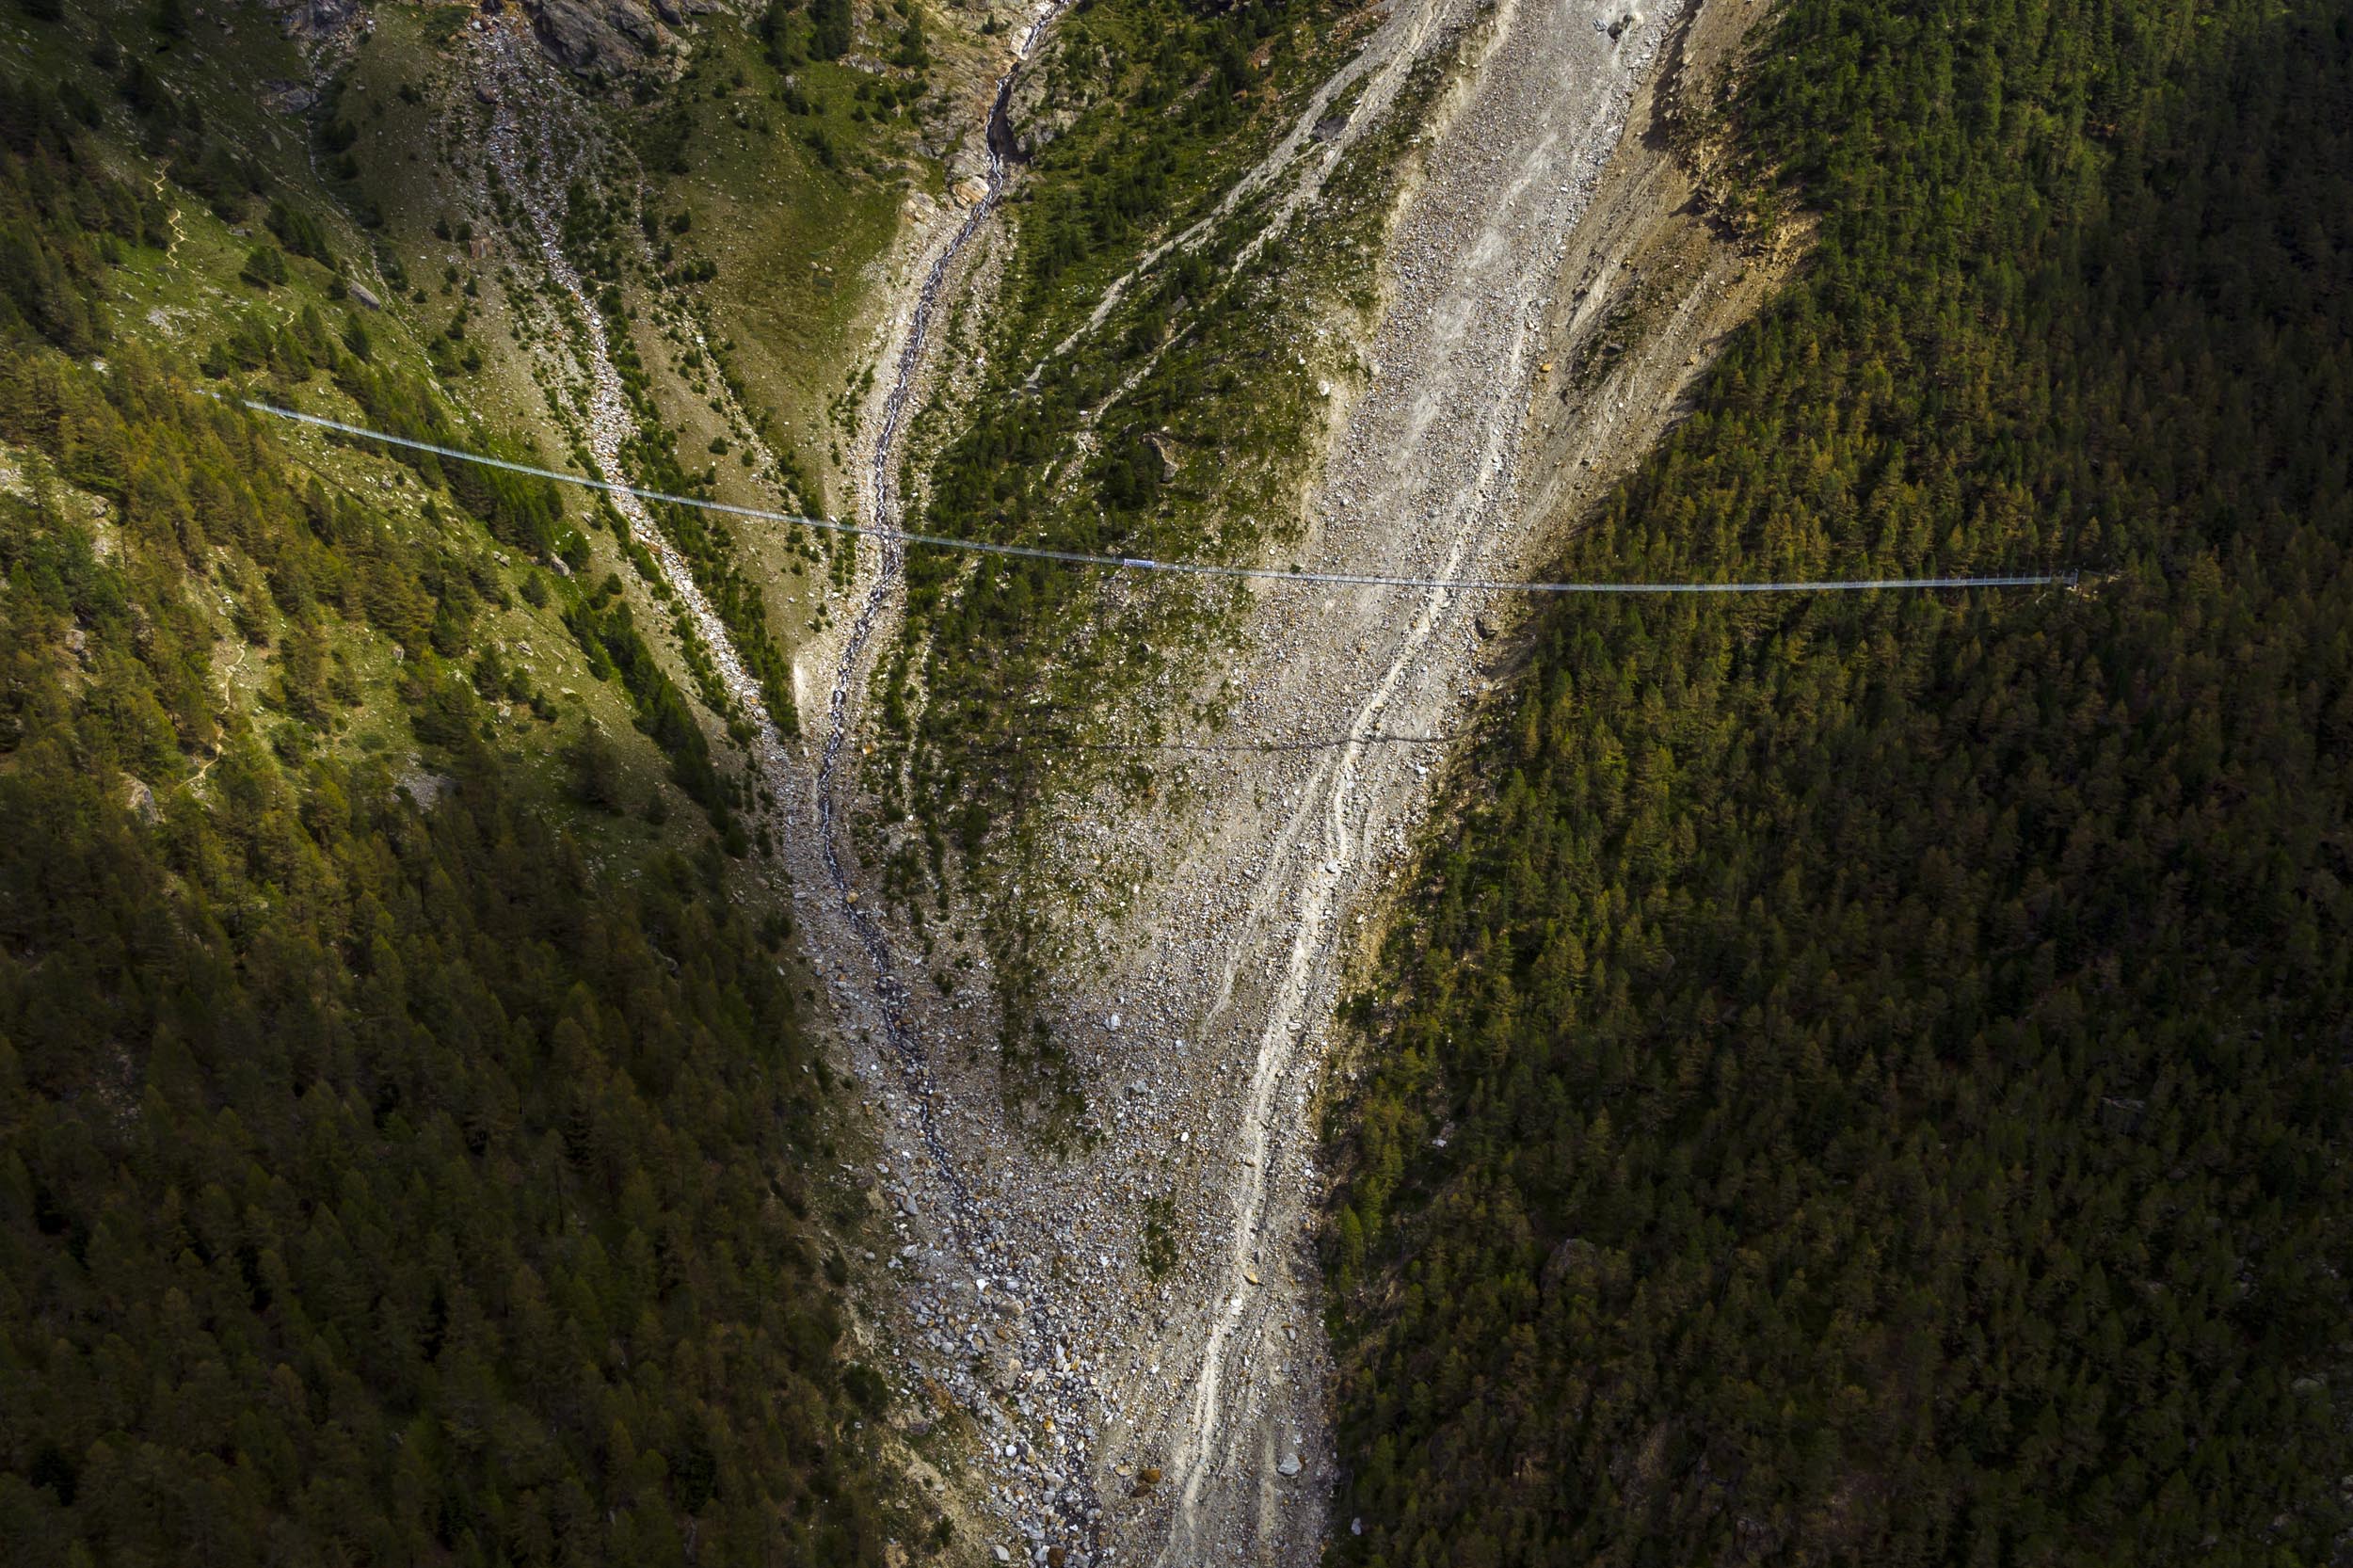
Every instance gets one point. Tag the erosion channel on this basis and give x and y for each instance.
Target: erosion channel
(1182, 1418)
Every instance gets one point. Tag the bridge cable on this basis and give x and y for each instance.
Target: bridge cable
(1137, 563)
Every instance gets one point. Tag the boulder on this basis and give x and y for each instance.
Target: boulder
(289, 98)
(2121, 1114)
(1165, 450)
(1573, 1259)
(140, 798)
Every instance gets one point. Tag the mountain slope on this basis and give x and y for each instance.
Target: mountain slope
(409, 1104)
(1867, 1078)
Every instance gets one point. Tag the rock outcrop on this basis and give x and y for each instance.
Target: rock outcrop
(314, 19)
(614, 36)
(1045, 104)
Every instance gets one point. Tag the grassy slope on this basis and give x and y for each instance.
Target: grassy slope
(777, 268)
(1867, 1084)
(188, 298)
(793, 239)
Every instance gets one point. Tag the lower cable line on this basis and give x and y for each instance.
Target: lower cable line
(1139, 563)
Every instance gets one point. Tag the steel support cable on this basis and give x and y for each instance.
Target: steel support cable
(1139, 563)
(1326, 743)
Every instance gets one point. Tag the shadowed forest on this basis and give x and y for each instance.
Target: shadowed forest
(380, 1179)
(1868, 1083)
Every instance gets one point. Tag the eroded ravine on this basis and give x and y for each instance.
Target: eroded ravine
(1043, 1447)
(1205, 1033)
(1424, 464)
(1065, 1519)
